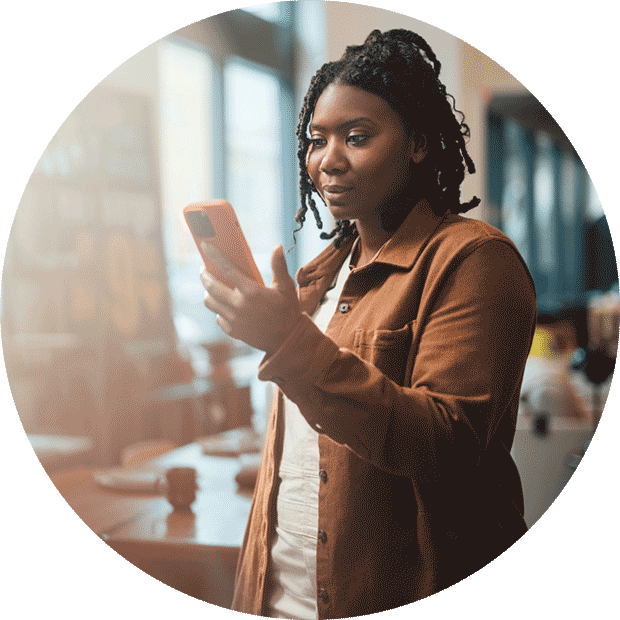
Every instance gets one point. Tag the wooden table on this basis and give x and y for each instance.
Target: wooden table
(58, 451)
(194, 551)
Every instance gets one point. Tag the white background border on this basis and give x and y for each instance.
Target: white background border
(54, 53)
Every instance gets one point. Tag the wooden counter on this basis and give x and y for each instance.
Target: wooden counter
(193, 551)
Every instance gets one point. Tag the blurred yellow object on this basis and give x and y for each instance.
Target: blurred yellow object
(542, 344)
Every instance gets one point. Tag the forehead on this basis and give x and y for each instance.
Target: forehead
(341, 103)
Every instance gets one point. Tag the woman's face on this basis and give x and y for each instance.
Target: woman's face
(359, 157)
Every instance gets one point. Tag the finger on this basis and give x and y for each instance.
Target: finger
(229, 270)
(281, 278)
(217, 289)
(223, 323)
(219, 308)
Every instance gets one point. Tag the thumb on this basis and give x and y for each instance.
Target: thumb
(282, 281)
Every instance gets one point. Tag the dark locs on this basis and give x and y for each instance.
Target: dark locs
(400, 67)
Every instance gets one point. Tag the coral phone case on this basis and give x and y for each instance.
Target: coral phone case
(216, 223)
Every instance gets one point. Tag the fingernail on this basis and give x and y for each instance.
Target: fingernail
(206, 247)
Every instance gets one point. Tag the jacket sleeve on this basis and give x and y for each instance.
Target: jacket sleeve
(467, 369)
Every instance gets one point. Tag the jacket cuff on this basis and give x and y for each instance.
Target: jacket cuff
(302, 359)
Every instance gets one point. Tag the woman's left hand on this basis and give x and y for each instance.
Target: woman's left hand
(261, 317)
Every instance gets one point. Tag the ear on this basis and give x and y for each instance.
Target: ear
(418, 148)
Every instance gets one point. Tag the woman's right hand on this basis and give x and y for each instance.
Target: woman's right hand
(259, 316)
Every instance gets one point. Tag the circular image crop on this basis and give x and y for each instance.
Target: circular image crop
(417, 406)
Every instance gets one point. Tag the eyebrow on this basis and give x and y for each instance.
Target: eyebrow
(354, 121)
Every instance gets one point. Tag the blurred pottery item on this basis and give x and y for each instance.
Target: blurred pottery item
(603, 322)
(547, 389)
(220, 354)
(179, 485)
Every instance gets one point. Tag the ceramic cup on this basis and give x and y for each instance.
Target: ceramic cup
(179, 486)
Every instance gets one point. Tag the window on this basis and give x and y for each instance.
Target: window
(514, 197)
(186, 77)
(547, 204)
(273, 11)
(253, 155)
(226, 131)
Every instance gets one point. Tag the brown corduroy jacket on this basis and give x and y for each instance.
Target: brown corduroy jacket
(414, 391)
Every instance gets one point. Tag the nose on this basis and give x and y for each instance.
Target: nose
(334, 160)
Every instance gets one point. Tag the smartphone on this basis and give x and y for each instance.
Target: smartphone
(216, 223)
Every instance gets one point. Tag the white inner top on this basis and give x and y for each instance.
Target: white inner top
(294, 547)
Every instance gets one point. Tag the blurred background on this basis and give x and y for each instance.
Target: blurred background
(107, 344)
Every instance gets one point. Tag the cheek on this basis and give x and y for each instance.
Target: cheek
(398, 164)
(312, 167)
(385, 168)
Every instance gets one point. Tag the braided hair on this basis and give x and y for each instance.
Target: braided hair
(400, 67)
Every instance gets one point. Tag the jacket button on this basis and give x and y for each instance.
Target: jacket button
(323, 475)
(344, 307)
(323, 595)
(322, 536)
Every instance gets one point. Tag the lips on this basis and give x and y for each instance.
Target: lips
(336, 190)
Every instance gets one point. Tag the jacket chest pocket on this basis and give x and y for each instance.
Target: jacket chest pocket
(387, 349)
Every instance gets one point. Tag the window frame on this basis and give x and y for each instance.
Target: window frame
(241, 34)
(565, 284)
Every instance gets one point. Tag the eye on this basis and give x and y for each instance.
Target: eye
(357, 138)
(315, 142)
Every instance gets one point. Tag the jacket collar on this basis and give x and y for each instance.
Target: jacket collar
(401, 250)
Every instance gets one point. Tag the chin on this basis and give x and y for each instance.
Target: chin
(341, 209)
(341, 212)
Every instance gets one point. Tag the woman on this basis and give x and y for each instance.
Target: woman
(386, 474)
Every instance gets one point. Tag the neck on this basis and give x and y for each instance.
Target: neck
(370, 242)
(374, 233)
